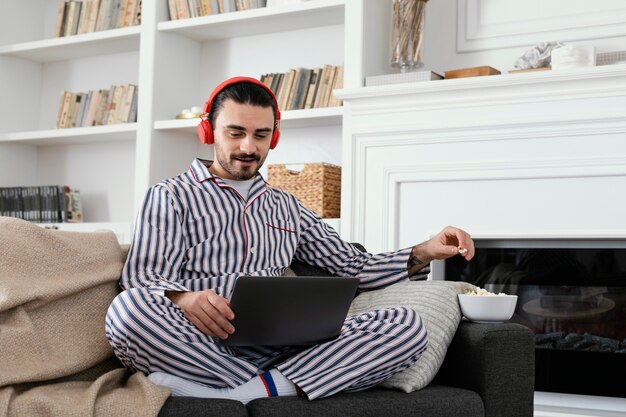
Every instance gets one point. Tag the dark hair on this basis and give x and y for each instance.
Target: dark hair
(241, 93)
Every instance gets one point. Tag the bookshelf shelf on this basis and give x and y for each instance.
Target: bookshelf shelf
(78, 46)
(259, 21)
(291, 119)
(124, 131)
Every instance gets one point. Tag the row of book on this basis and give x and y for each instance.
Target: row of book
(86, 16)
(306, 88)
(98, 107)
(42, 204)
(185, 9)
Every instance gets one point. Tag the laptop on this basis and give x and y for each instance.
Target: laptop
(289, 311)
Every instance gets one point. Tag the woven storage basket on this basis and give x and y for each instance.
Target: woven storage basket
(318, 186)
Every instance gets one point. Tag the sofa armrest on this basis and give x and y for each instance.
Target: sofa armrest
(496, 360)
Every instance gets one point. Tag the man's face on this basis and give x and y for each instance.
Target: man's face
(242, 140)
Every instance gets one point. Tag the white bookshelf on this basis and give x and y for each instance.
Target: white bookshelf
(176, 64)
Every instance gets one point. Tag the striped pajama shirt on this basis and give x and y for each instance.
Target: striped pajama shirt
(194, 232)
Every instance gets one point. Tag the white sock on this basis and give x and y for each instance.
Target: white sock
(269, 384)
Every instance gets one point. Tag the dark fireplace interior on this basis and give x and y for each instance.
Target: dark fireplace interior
(572, 295)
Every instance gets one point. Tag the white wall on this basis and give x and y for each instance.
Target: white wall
(467, 33)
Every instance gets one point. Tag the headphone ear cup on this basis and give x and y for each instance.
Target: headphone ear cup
(275, 137)
(205, 132)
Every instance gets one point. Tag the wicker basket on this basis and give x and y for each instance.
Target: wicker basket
(318, 186)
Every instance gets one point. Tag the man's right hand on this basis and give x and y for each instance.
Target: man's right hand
(209, 312)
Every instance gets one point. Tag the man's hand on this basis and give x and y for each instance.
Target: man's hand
(447, 243)
(209, 312)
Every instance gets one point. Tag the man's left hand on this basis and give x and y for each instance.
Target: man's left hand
(449, 242)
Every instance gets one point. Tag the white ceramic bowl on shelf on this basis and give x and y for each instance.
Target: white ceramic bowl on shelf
(487, 308)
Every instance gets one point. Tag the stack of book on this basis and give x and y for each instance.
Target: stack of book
(304, 88)
(98, 107)
(85, 16)
(184, 9)
(42, 204)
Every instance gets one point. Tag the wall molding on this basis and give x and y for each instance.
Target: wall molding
(525, 27)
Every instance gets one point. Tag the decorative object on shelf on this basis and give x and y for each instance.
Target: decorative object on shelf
(471, 72)
(304, 88)
(406, 34)
(538, 56)
(611, 58)
(317, 185)
(403, 77)
(194, 113)
(573, 56)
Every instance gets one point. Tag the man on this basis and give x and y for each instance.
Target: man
(197, 232)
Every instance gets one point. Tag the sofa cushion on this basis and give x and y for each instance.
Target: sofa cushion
(202, 407)
(438, 306)
(433, 401)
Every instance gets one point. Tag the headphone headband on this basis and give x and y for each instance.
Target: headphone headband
(205, 129)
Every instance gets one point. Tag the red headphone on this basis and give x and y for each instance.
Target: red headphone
(205, 130)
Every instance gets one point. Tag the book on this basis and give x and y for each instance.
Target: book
(82, 20)
(90, 114)
(74, 206)
(127, 103)
(114, 102)
(193, 8)
(137, 18)
(337, 84)
(60, 115)
(129, 13)
(72, 14)
(58, 28)
(301, 85)
(182, 9)
(323, 92)
(99, 117)
(102, 11)
(80, 112)
(206, 8)
(285, 90)
(171, 7)
(312, 89)
(132, 117)
(92, 17)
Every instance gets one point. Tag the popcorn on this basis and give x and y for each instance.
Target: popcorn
(482, 291)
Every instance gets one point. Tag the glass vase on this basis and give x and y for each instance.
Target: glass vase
(406, 34)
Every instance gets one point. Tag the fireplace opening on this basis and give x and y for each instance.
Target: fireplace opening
(571, 294)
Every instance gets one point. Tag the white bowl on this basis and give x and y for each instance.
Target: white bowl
(487, 308)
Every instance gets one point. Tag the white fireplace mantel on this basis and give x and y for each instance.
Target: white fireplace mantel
(522, 155)
(527, 153)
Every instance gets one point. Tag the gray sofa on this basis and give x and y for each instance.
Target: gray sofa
(57, 361)
(488, 371)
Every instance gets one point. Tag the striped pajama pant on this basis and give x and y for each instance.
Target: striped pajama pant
(149, 333)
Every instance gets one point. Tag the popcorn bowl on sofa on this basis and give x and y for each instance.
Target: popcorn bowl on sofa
(487, 308)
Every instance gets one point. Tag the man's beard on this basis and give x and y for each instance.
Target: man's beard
(243, 173)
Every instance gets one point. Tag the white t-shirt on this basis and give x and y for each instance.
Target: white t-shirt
(242, 187)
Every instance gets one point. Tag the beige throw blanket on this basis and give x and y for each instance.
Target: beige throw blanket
(55, 288)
